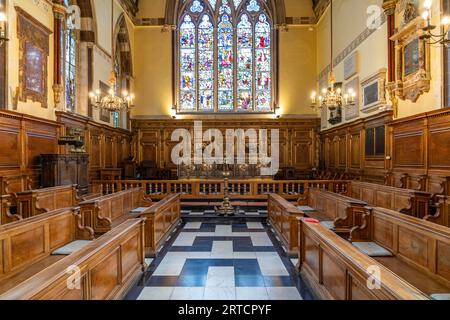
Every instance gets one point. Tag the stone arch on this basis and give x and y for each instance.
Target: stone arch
(277, 8)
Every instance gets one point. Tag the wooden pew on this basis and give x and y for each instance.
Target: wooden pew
(34, 202)
(9, 186)
(282, 216)
(104, 213)
(336, 270)
(160, 220)
(28, 244)
(442, 215)
(410, 202)
(421, 249)
(346, 214)
(108, 267)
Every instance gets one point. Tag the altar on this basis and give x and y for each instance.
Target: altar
(215, 171)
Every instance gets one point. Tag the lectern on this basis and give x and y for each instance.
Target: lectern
(65, 169)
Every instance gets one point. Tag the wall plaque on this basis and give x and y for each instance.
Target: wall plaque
(33, 56)
(374, 92)
(351, 65)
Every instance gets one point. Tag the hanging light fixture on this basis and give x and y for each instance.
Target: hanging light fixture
(428, 35)
(332, 97)
(111, 101)
(3, 21)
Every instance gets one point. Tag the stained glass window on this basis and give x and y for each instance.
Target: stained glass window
(225, 52)
(70, 66)
(188, 66)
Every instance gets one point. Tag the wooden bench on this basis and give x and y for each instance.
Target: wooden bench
(34, 202)
(442, 215)
(420, 249)
(104, 213)
(336, 270)
(107, 268)
(160, 220)
(28, 244)
(282, 216)
(343, 214)
(410, 202)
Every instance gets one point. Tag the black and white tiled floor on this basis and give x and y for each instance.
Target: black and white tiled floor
(221, 261)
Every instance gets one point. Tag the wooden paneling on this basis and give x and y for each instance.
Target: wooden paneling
(343, 149)
(23, 139)
(107, 147)
(298, 145)
(421, 152)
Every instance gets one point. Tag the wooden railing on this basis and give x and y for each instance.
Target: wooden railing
(214, 189)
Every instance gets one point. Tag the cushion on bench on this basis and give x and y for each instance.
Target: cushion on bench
(328, 224)
(138, 210)
(305, 208)
(440, 296)
(71, 248)
(372, 249)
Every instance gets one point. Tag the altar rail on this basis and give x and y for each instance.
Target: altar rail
(214, 189)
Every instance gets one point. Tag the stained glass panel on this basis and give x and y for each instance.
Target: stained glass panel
(206, 64)
(228, 68)
(70, 62)
(245, 64)
(225, 64)
(263, 64)
(213, 3)
(187, 65)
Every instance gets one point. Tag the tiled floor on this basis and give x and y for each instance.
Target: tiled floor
(209, 261)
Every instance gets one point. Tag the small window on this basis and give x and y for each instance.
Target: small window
(375, 142)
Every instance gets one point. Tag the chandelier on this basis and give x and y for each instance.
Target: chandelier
(428, 35)
(111, 101)
(3, 21)
(332, 97)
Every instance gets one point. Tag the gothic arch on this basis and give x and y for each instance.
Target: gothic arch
(276, 7)
(88, 32)
(123, 46)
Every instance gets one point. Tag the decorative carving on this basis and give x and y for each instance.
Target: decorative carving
(412, 62)
(33, 55)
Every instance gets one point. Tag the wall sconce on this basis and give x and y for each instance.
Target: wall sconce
(173, 112)
(3, 21)
(350, 97)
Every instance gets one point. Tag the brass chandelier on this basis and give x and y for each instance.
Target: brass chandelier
(3, 21)
(111, 101)
(428, 35)
(332, 97)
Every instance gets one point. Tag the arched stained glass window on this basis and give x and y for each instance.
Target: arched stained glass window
(70, 65)
(225, 52)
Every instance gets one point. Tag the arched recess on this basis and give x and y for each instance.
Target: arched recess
(277, 7)
(123, 63)
(88, 38)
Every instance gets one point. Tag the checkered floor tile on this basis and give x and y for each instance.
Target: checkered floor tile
(209, 261)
